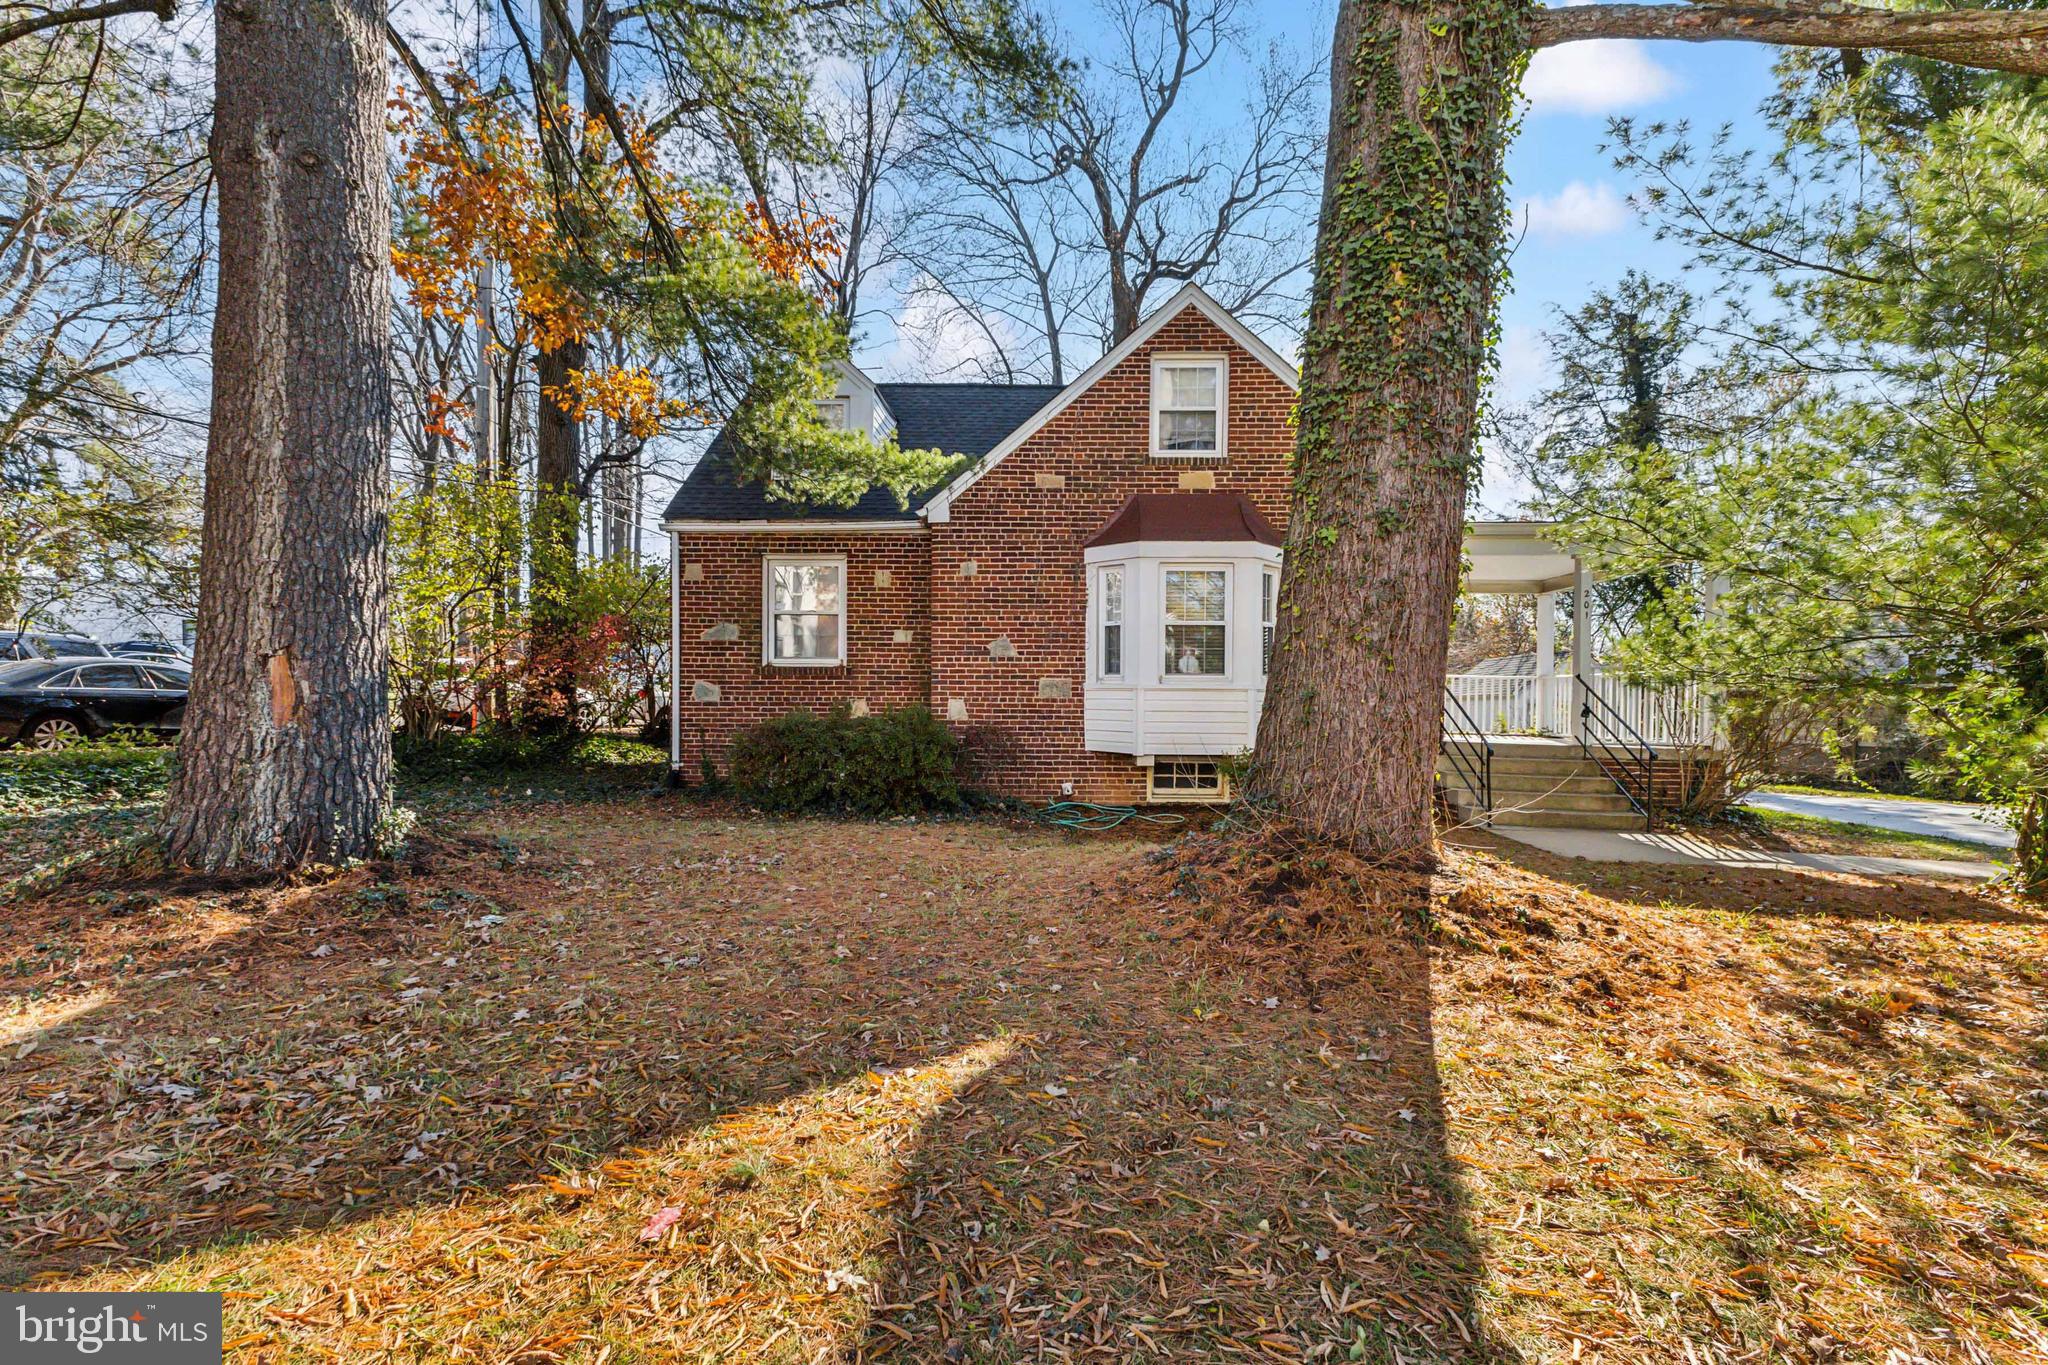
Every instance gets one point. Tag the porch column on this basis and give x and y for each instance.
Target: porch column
(1582, 640)
(1546, 659)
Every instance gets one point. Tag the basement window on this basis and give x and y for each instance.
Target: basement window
(1186, 779)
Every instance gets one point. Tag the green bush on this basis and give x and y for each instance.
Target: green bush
(895, 763)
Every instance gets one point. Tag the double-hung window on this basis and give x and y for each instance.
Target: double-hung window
(1109, 606)
(832, 412)
(1188, 405)
(803, 611)
(1197, 622)
(1269, 590)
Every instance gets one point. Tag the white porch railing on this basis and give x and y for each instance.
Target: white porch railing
(1531, 705)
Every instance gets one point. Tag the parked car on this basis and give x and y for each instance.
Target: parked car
(42, 644)
(146, 648)
(55, 703)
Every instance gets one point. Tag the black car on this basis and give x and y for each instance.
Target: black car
(142, 649)
(55, 703)
(36, 644)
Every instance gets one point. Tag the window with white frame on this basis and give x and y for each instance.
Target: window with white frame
(1197, 622)
(1269, 591)
(832, 412)
(1187, 779)
(1187, 405)
(803, 599)
(1109, 609)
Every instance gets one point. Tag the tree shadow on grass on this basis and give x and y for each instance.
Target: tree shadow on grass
(489, 1072)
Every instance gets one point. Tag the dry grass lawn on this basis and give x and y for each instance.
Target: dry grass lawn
(636, 1081)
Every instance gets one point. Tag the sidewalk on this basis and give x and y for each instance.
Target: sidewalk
(1942, 819)
(1610, 846)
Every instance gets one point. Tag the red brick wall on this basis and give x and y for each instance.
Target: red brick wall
(878, 669)
(1030, 585)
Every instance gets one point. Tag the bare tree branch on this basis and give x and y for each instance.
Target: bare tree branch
(166, 10)
(1990, 40)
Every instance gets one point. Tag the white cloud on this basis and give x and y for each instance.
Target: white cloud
(940, 337)
(1577, 210)
(1603, 77)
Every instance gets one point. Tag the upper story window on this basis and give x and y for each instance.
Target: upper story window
(1197, 622)
(803, 611)
(1188, 416)
(1109, 599)
(1269, 592)
(832, 412)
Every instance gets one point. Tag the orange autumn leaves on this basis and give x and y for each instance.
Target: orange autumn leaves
(476, 186)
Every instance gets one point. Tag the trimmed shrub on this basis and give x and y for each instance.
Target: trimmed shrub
(895, 763)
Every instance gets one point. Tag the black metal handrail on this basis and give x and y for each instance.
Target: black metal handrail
(1474, 769)
(1620, 744)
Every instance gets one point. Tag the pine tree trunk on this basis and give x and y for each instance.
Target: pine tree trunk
(557, 517)
(1408, 260)
(286, 754)
(550, 691)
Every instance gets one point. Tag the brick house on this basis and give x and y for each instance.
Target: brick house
(1088, 603)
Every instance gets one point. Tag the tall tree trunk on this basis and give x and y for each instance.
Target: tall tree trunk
(1408, 259)
(287, 747)
(558, 503)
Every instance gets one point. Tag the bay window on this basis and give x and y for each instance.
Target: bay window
(1269, 591)
(1188, 405)
(803, 611)
(1109, 597)
(1196, 616)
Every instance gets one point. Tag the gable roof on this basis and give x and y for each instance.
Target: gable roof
(984, 422)
(1188, 296)
(959, 419)
(1193, 517)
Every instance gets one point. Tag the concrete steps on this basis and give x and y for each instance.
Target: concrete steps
(1537, 785)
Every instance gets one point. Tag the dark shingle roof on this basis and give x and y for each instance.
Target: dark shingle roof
(959, 419)
(1185, 516)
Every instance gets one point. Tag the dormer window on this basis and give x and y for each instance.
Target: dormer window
(1188, 418)
(832, 412)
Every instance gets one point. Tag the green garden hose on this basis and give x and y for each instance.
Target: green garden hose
(1090, 816)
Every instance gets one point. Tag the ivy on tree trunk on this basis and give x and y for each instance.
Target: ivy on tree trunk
(1408, 261)
(286, 754)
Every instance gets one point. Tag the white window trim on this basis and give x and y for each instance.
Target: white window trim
(1156, 796)
(1222, 364)
(768, 566)
(1096, 623)
(1168, 678)
(844, 407)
